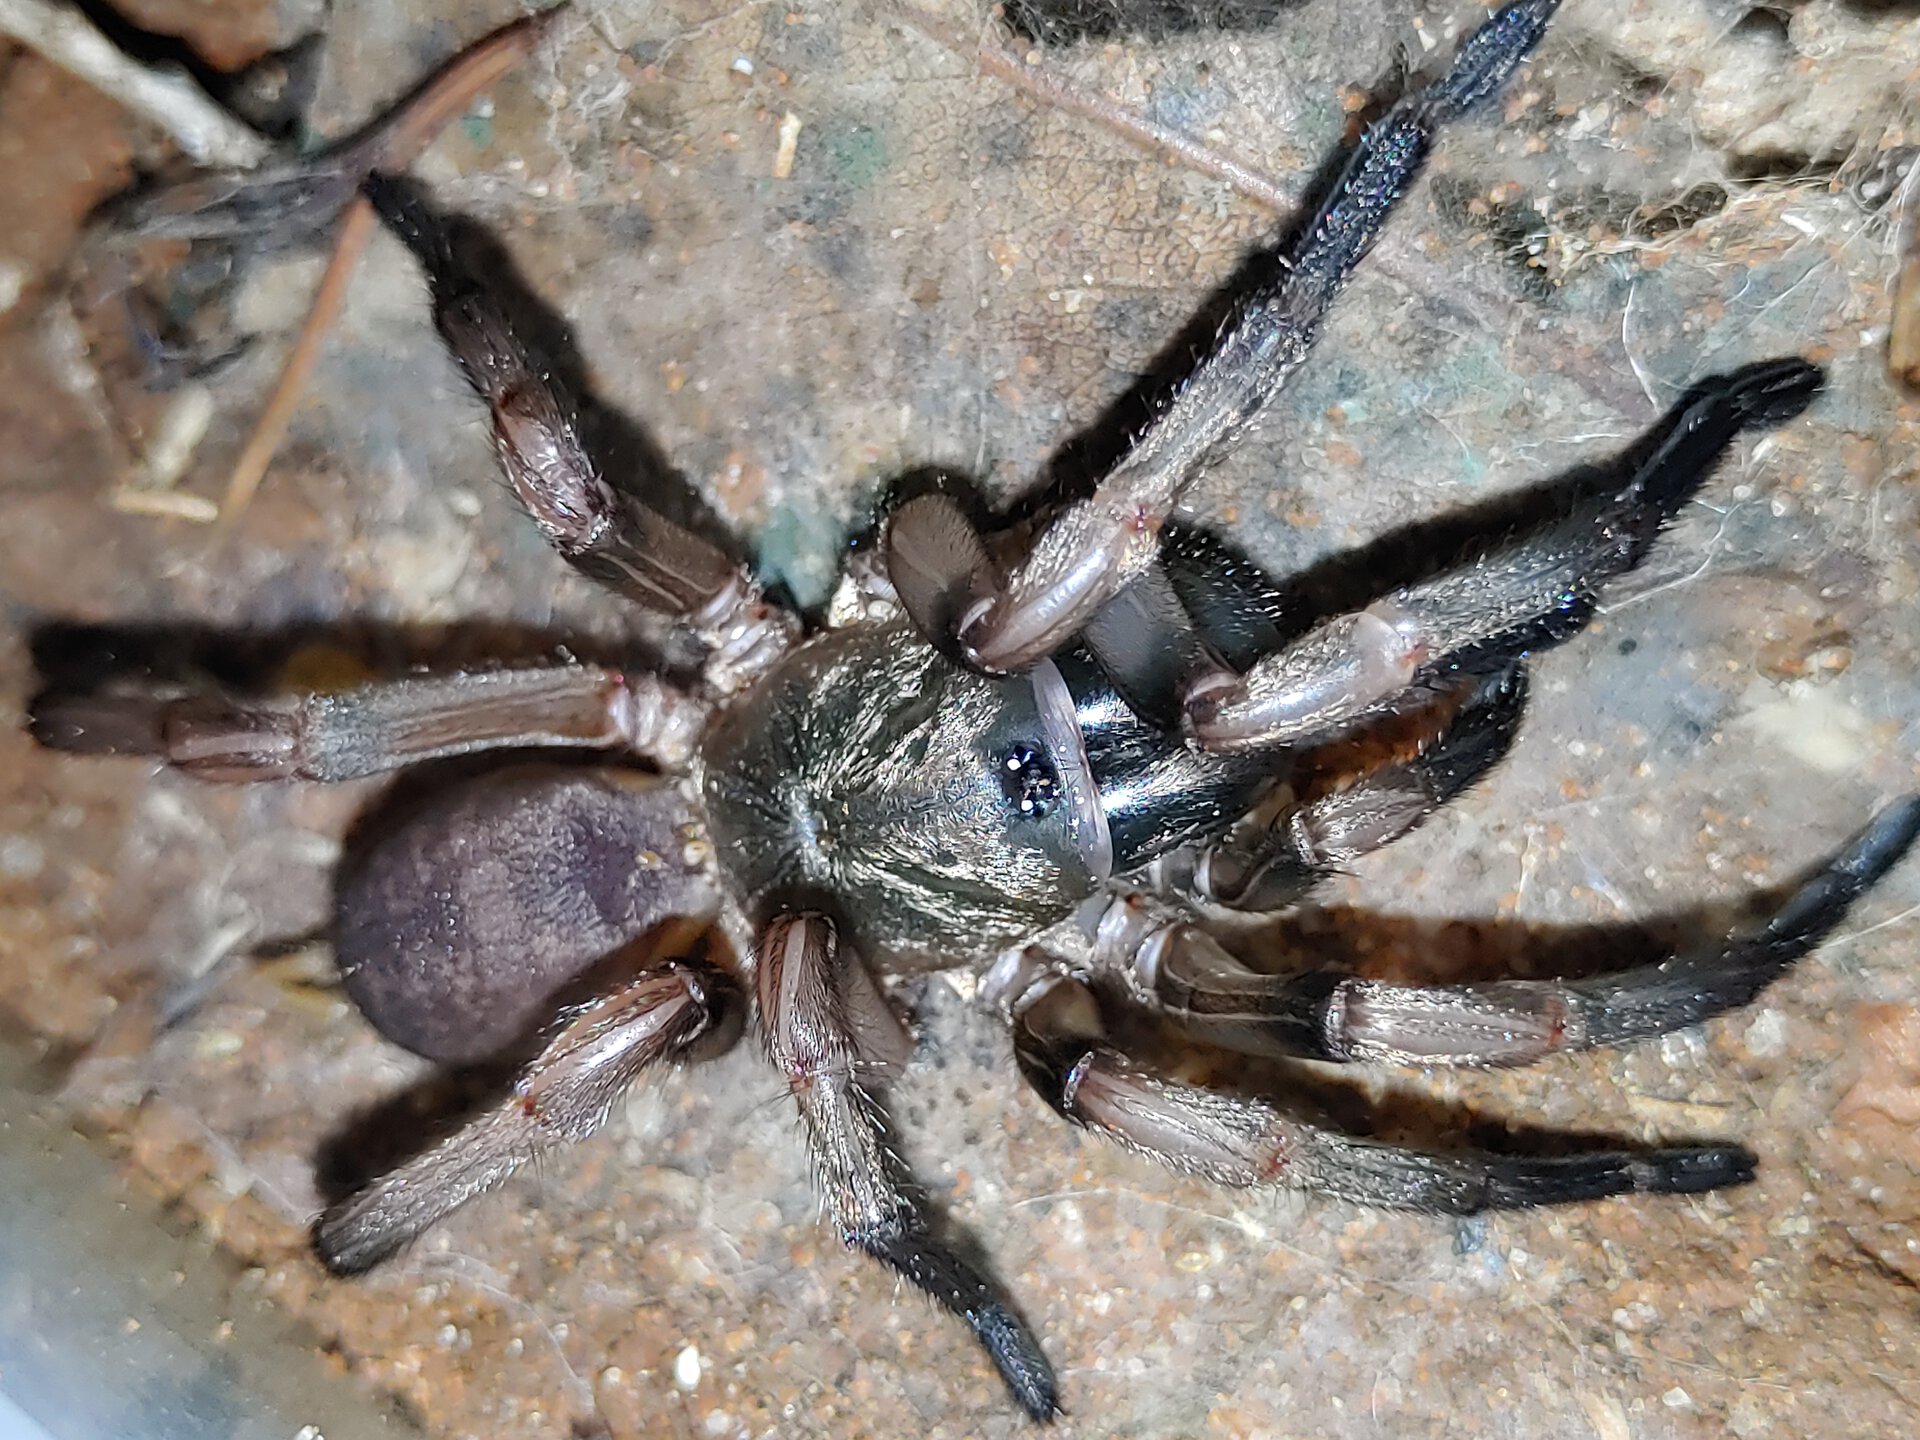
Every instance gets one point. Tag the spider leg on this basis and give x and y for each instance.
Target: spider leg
(806, 992)
(378, 727)
(1527, 593)
(601, 531)
(1095, 547)
(1183, 974)
(597, 1052)
(1061, 1043)
(1277, 866)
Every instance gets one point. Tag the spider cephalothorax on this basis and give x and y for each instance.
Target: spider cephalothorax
(1046, 763)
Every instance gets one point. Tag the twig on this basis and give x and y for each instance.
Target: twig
(1047, 85)
(356, 229)
(408, 130)
(413, 124)
(164, 96)
(1903, 335)
(163, 504)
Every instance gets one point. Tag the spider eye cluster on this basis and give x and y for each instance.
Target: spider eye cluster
(1031, 783)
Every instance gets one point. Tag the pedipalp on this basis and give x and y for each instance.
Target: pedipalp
(1275, 866)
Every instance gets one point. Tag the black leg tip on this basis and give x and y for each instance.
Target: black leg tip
(1822, 903)
(1017, 1356)
(345, 1252)
(401, 208)
(1774, 391)
(1692, 1169)
(1880, 846)
(949, 1281)
(95, 724)
(1489, 55)
(1707, 420)
(392, 198)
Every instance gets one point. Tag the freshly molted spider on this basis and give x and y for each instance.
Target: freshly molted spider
(1048, 770)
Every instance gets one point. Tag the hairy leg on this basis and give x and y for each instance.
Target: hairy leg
(1530, 592)
(1182, 973)
(1094, 548)
(602, 531)
(597, 1052)
(1264, 869)
(809, 1006)
(378, 727)
(1062, 1046)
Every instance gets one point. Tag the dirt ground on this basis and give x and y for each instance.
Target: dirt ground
(953, 260)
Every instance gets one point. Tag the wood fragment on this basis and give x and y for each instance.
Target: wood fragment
(164, 504)
(789, 143)
(188, 415)
(1903, 335)
(166, 97)
(412, 124)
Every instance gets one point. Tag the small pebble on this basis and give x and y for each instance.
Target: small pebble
(789, 145)
(21, 858)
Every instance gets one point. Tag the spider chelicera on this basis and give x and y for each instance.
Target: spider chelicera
(1047, 762)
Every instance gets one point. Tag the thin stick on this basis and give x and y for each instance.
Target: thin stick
(411, 127)
(416, 121)
(356, 229)
(166, 97)
(1050, 87)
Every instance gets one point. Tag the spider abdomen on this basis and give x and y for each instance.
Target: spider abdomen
(461, 925)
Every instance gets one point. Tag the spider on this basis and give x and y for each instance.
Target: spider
(1050, 763)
